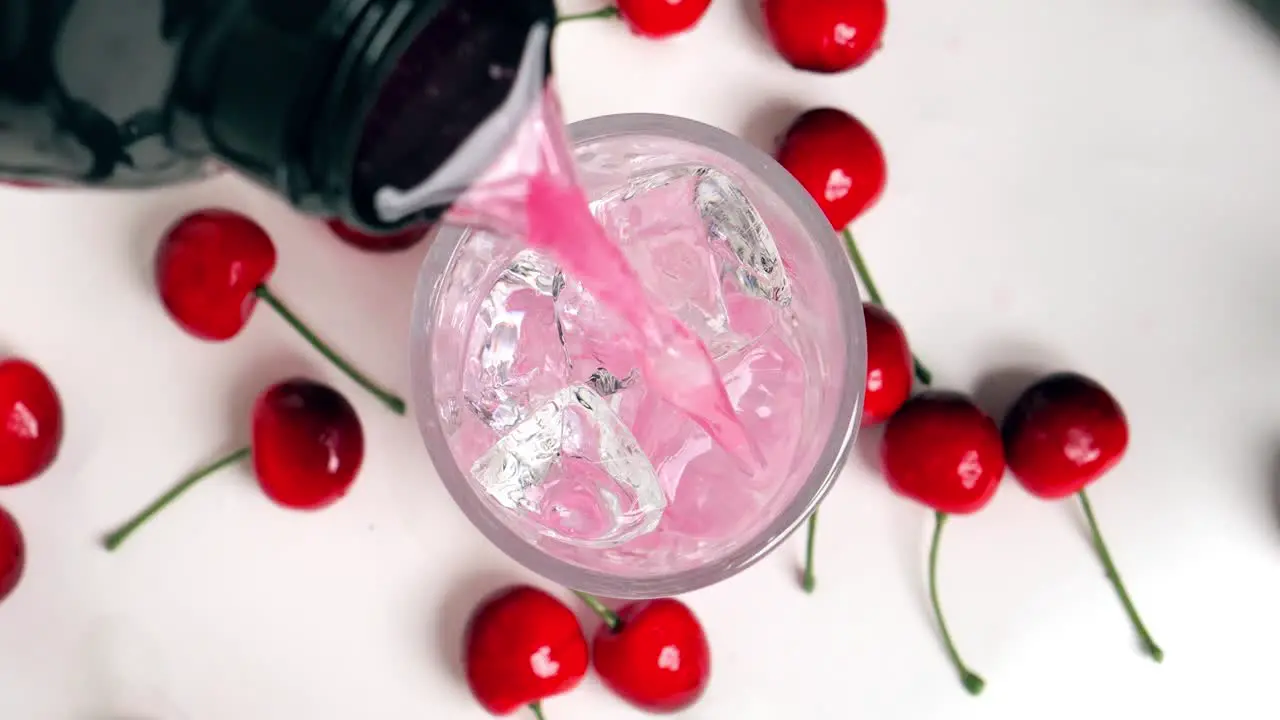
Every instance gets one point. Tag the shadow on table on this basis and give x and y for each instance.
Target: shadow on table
(1273, 484)
(997, 389)
(455, 612)
(1268, 11)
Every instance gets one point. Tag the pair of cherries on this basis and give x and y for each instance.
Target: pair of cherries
(1063, 433)
(939, 448)
(30, 437)
(523, 646)
(307, 443)
(821, 36)
(211, 267)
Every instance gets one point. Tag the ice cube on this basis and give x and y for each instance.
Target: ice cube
(655, 221)
(678, 267)
(708, 494)
(574, 472)
(668, 437)
(734, 225)
(766, 383)
(636, 185)
(514, 357)
(594, 338)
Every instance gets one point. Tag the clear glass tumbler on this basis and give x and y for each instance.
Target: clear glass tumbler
(781, 315)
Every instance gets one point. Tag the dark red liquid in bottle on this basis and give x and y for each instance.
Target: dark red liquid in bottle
(452, 77)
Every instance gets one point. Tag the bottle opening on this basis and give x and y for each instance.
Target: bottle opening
(442, 114)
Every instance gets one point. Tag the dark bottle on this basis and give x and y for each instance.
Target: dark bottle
(322, 101)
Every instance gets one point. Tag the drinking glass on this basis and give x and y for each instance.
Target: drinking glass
(782, 316)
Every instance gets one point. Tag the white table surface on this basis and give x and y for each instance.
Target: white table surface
(1088, 185)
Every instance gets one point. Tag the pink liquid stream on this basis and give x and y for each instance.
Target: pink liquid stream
(532, 193)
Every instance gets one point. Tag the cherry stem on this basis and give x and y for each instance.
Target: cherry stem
(610, 618)
(389, 399)
(601, 14)
(808, 580)
(971, 681)
(1148, 644)
(536, 707)
(873, 294)
(117, 537)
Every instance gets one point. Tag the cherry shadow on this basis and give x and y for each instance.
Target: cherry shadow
(455, 610)
(911, 520)
(261, 374)
(753, 12)
(148, 228)
(380, 291)
(866, 451)
(997, 390)
(1267, 12)
(765, 126)
(1273, 483)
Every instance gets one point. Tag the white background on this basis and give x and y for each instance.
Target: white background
(1091, 185)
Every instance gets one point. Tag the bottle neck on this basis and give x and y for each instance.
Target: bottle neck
(408, 178)
(326, 101)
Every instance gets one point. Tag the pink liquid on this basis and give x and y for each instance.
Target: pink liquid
(532, 193)
(526, 342)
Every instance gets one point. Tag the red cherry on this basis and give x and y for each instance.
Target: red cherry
(307, 448)
(393, 242)
(209, 267)
(212, 268)
(837, 159)
(943, 452)
(825, 36)
(889, 365)
(654, 655)
(13, 554)
(661, 18)
(1063, 433)
(30, 422)
(307, 444)
(521, 647)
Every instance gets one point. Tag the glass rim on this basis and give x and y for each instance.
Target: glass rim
(830, 461)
